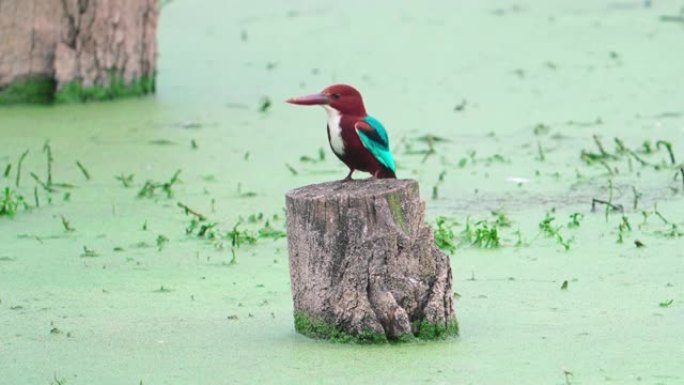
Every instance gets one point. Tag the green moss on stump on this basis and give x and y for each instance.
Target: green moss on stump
(394, 202)
(74, 92)
(428, 331)
(43, 89)
(33, 89)
(313, 328)
(310, 327)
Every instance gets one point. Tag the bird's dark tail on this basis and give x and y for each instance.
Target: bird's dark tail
(385, 173)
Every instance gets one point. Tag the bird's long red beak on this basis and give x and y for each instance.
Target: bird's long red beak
(309, 100)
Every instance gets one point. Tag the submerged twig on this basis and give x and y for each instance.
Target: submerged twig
(85, 172)
(48, 150)
(540, 152)
(35, 196)
(614, 207)
(190, 211)
(662, 218)
(428, 154)
(66, 224)
(637, 195)
(622, 148)
(41, 183)
(602, 150)
(21, 160)
(604, 164)
(292, 170)
(568, 375)
(668, 147)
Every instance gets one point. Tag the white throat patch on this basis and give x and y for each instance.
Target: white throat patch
(334, 130)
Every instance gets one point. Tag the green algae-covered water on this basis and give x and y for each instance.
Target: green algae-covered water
(99, 285)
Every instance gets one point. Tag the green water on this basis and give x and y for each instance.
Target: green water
(185, 315)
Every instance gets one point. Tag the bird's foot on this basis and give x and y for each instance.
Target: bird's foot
(348, 177)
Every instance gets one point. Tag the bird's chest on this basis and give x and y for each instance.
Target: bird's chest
(335, 133)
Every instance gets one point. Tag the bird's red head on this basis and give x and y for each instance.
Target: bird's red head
(342, 97)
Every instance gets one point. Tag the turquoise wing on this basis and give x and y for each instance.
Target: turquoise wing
(374, 138)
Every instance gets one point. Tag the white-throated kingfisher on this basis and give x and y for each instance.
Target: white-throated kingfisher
(358, 139)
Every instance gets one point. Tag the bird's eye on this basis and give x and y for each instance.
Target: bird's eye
(335, 96)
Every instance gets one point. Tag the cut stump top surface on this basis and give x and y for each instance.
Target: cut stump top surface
(351, 189)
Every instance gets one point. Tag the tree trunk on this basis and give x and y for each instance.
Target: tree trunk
(76, 50)
(364, 265)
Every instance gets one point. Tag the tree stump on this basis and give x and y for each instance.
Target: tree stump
(76, 50)
(364, 265)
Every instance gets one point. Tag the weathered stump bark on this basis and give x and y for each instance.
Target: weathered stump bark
(364, 265)
(72, 50)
